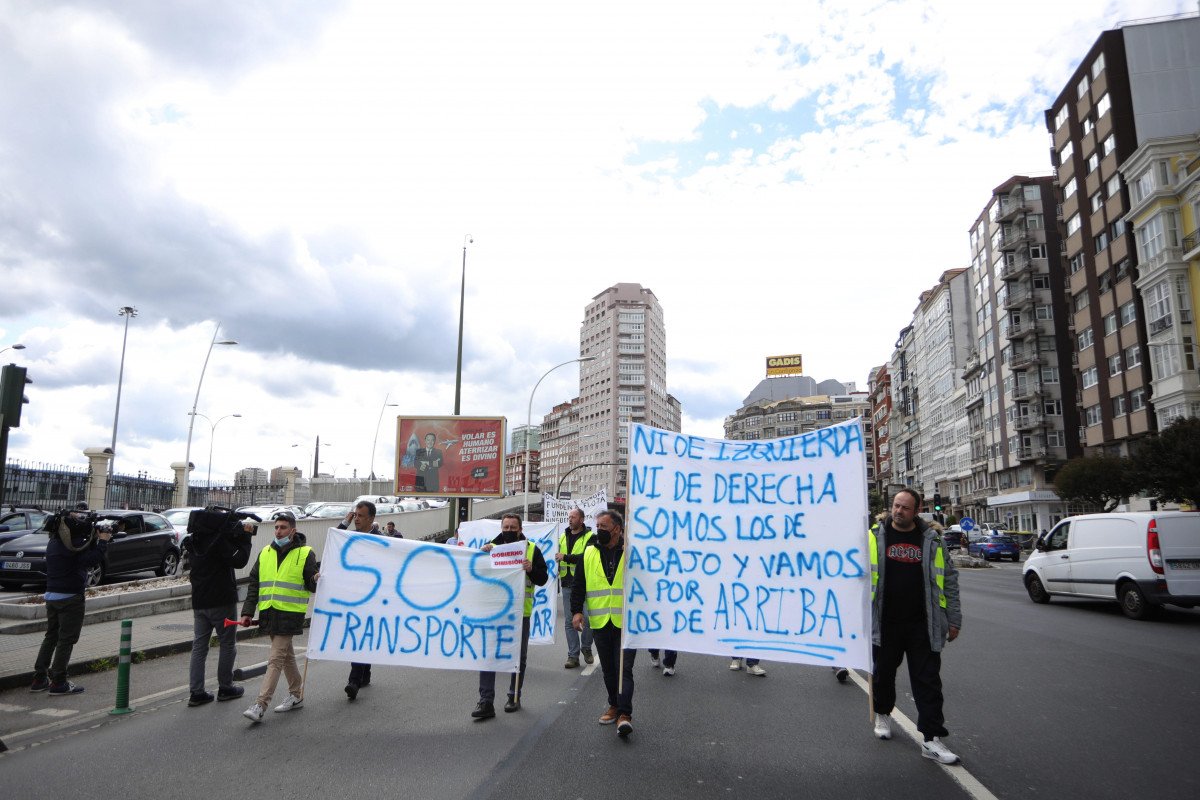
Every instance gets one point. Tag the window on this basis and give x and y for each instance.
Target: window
(1041, 281)
(1033, 222)
(1105, 282)
(1044, 312)
(1089, 377)
(1119, 405)
(1037, 251)
(1088, 125)
(1093, 163)
(1076, 263)
(1056, 439)
(1109, 144)
(1137, 400)
(1114, 365)
(1053, 408)
(1085, 339)
(1082, 87)
(1133, 357)
(1101, 241)
(1069, 188)
(1161, 232)
(1074, 224)
(1143, 187)
(1097, 66)
(1081, 300)
(1096, 201)
(1113, 187)
(1103, 105)
(1164, 361)
(1128, 313)
(1158, 301)
(1117, 229)
(1110, 323)
(1050, 375)
(1060, 117)
(1091, 415)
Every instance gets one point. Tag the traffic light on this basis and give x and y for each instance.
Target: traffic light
(937, 502)
(12, 394)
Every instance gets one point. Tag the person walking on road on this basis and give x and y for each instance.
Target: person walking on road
(915, 612)
(750, 664)
(73, 549)
(215, 550)
(363, 519)
(670, 657)
(571, 545)
(598, 591)
(536, 574)
(281, 582)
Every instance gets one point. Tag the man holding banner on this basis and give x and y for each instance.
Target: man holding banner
(571, 546)
(599, 591)
(363, 519)
(536, 574)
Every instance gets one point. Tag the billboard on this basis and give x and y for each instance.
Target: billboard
(783, 365)
(450, 456)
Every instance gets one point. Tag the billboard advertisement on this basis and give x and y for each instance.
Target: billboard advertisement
(783, 365)
(450, 456)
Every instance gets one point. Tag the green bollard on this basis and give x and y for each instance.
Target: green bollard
(123, 669)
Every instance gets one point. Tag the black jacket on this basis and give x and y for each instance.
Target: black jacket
(214, 583)
(66, 570)
(272, 620)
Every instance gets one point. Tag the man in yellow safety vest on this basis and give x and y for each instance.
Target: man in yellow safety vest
(571, 545)
(599, 592)
(280, 584)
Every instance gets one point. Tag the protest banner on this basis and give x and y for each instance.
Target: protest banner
(555, 510)
(754, 548)
(419, 604)
(544, 618)
(450, 456)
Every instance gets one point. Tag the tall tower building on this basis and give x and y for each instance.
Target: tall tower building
(623, 330)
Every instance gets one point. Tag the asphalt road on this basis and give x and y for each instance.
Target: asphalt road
(1065, 700)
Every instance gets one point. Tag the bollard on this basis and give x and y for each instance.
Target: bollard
(122, 706)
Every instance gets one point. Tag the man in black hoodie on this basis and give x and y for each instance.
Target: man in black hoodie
(214, 556)
(71, 552)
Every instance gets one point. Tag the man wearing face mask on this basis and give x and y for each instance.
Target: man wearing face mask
(598, 591)
(536, 574)
(280, 583)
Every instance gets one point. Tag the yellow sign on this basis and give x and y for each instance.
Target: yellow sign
(783, 365)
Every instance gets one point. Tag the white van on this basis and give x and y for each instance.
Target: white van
(1142, 560)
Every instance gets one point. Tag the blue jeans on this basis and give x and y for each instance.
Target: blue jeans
(572, 634)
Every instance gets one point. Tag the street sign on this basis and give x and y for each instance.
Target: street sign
(967, 524)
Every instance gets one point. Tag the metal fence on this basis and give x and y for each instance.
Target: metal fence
(52, 487)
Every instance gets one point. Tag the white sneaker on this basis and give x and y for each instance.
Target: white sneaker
(937, 751)
(668, 671)
(736, 664)
(289, 703)
(654, 662)
(755, 669)
(254, 713)
(883, 726)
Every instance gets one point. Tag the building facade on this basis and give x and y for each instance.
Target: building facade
(558, 453)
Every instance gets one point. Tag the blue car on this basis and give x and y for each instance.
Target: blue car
(996, 547)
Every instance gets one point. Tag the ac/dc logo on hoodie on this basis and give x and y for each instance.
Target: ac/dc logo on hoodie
(906, 553)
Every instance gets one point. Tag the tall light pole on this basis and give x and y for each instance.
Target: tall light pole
(375, 441)
(212, 429)
(128, 312)
(529, 422)
(462, 304)
(17, 346)
(307, 454)
(187, 459)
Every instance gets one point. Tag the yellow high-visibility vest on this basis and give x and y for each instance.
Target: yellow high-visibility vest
(568, 570)
(528, 583)
(281, 585)
(605, 602)
(939, 567)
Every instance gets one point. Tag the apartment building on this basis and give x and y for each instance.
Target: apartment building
(774, 419)
(559, 449)
(879, 390)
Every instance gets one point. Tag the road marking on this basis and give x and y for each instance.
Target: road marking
(57, 712)
(8, 707)
(958, 772)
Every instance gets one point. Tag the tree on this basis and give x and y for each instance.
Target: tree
(1170, 462)
(876, 503)
(1101, 480)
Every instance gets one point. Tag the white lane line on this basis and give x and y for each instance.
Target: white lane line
(57, 712)
(10, 707)
(958, 772)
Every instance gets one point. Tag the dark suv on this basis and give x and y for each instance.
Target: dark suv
(141, 541)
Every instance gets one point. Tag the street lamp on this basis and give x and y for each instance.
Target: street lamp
(462, 303)
(307, 454)
(187, 459)
(17, 346)
(529, 422)
(375, 441)
(212, 437)
(128, 312)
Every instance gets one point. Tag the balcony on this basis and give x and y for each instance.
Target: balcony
(1190, 243)
(1019, 330)
(1161, 324)
(1017, 238)
(1168, 255)
(1031, 453)
(1018, 298)
(1035, 419)
(1011, 207)
(1023, 391)
(1015, 269)
(1026, 359)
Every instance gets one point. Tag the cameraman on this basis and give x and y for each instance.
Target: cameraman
(216, 551)
(71, 551)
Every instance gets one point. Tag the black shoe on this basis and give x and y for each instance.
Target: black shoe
(200, 699)
(232, 693)
(484, 710)
(513, 704)
(366, 682)
(39, 686)
(352, 690)
(64, 689)
(842, 674)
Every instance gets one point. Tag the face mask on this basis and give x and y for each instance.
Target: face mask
(282, 542)
(603, 537)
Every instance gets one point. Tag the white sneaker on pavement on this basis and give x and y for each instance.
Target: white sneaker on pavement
(883, 726)
(755, 669)
(937, 751)
(668, 671)
(254, 713)
(736, 664)
(289, 703)
(654, 662)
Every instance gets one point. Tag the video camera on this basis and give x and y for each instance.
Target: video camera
(210, 525)
(71, 524)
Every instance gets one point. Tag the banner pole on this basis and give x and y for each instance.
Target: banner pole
(871, 696)
(304, 677)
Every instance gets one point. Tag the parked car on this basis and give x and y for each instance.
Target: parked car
(17, 521)
(265, 513)
(953, 538)
(142, 541)
(1141, 559)
(178, 517)
(332, 511)
(996, 546)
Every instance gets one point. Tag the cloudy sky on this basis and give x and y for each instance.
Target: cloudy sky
(786, 177)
